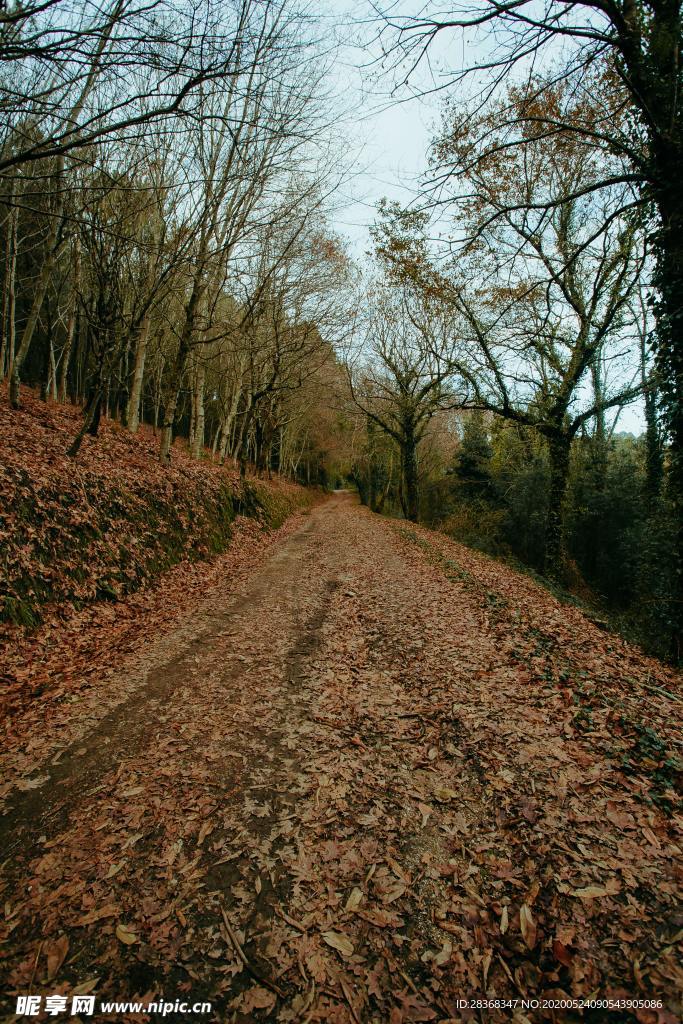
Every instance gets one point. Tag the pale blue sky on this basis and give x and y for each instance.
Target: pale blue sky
(389, 139)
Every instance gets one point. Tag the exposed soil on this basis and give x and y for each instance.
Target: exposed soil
(387, 773)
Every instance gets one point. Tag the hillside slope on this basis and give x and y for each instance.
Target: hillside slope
(87, 542)
(102, 525)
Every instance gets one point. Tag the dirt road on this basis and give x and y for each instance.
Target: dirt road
(379, 778)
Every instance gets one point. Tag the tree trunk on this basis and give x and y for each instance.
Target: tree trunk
(9, 295)
(371, 429)
(184, 349)
(91, 418)
(66, 354)
(244, 444)
(52, 378)
(157, 396)
(382, 497)
(228, 423)
(82, 341)
(653, 447)
(135, 396)
(171, 402)
(411, 495)
(45, 382)
(668, 279)
(170, 406)
(559, 447)
(199, 410)
(95, 419)
(51, 249)
(224, 441)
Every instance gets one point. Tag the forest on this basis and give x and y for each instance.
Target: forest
(199, 344)
(170, 258)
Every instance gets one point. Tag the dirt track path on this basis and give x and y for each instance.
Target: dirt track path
(364, 774)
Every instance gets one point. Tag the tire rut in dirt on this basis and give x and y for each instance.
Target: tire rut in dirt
(75, 771)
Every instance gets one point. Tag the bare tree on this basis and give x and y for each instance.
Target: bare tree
(298, 308)
(543, 296)
(407, 375)
(625, 55)
(137, 62)
(254, 134)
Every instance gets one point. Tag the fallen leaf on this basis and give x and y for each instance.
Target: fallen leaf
(382, 918)
(56, 955)
(85, 987)
(486, 965)
(527, 926)
(444, 795)
(25, 784)
(354, 900)
(339, 942)
(561, 953)
(617, 816)
(651, 837)
(125, 935)
(110, 910)
(444, 955)
(115, 868)
(394, 894)
(591, 892)
(204, 831)
(257, 999)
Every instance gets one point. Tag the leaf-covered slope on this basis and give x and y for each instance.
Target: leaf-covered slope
(74, 531)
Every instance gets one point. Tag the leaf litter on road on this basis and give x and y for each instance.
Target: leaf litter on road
(372, 792)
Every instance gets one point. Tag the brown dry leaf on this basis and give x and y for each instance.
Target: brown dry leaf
(651, 837)
(486, 965)
(561, 953)
(527, 926)
(399, 871)
(354, 900)
(26, 784)
(394, 893)
(204, 831)
(590, 892)
(444, 795)
(257, 999)
(56, 955)
(125, 935)
(109, 910)
(618, 817)
(85, 987)
(444, 954)
(425, 811)
(504, 922)
(381, 918)
(339, 941)
(115, 868)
